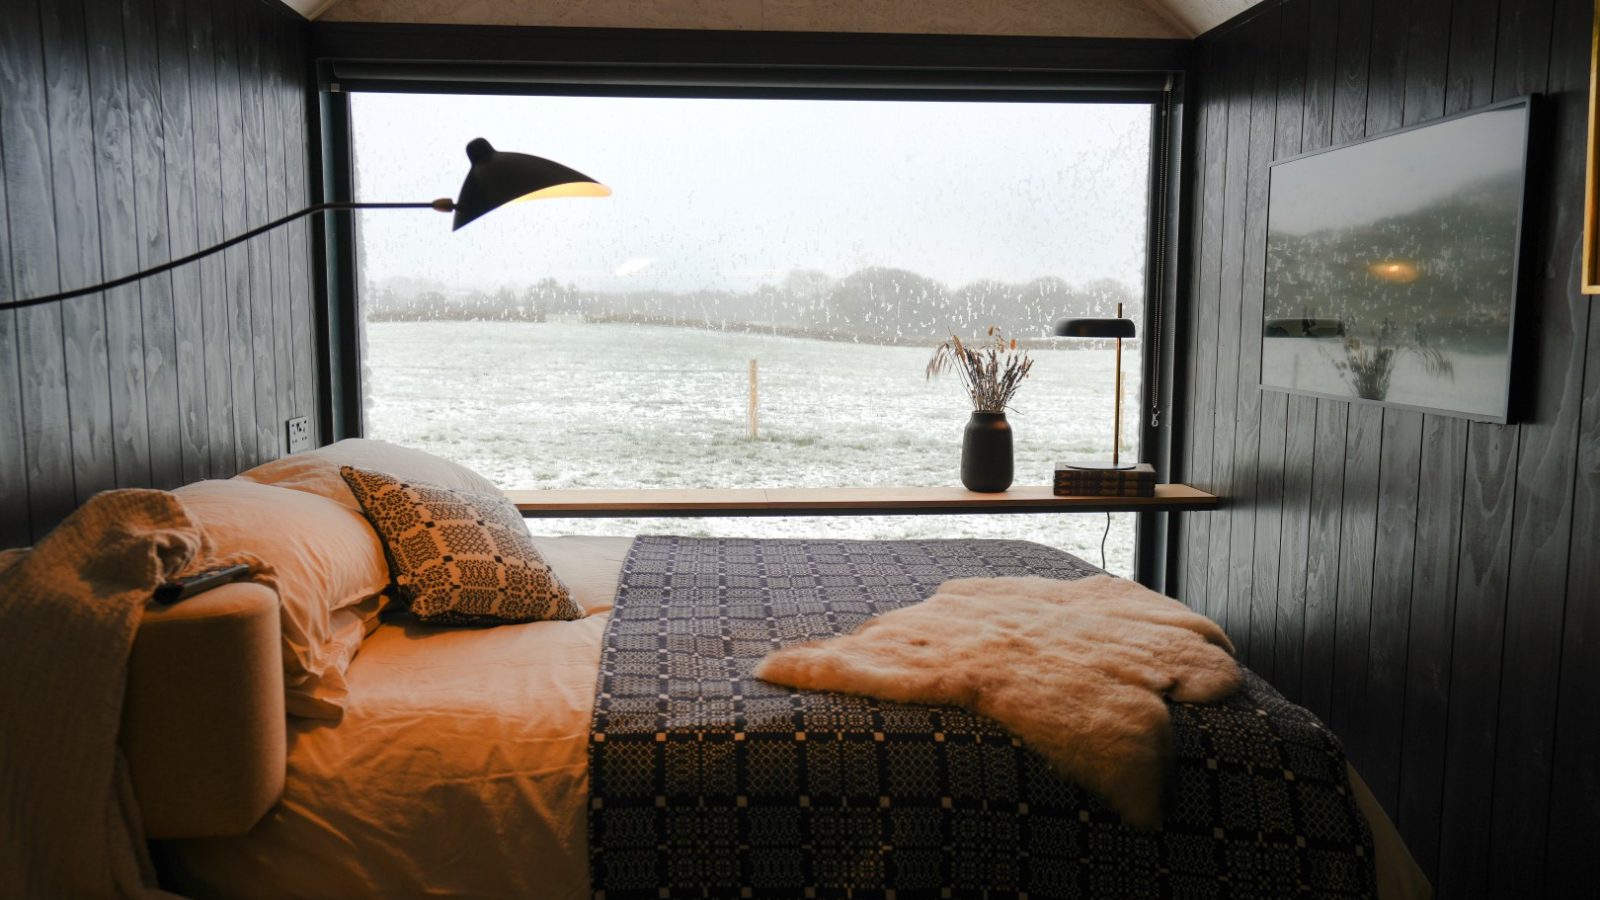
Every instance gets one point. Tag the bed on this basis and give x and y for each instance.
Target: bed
(461, 767)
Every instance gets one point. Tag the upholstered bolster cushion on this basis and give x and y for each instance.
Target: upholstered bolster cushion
(204, 723)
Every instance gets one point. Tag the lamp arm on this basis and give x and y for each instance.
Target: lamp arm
(443, 204)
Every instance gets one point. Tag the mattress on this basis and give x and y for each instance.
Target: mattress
(461, 768)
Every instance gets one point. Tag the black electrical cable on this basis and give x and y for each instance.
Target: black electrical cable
(1103, 541)
(442, 205)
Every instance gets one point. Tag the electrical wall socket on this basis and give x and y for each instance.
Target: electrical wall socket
(299, 434)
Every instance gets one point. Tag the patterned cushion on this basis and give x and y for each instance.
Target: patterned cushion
(459, 558)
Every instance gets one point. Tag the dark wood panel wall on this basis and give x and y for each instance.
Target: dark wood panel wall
(1428, 586)
(133, 131)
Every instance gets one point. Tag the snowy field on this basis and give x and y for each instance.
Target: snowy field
(572, 405)
(1476, 384)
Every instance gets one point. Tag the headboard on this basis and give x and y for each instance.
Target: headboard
(203, 722)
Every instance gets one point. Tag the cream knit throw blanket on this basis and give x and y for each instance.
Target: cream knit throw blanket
(1077, 669)
(69, 608)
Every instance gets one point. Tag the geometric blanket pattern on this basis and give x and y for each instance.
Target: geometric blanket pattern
(705, 781)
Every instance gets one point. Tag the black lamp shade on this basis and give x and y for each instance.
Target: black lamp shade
(1094, 328)
(498, 177)
(1307, 328)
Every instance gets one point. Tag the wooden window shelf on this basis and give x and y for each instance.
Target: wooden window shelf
(858, 501)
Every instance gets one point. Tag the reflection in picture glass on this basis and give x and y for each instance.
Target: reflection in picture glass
(1391, 267)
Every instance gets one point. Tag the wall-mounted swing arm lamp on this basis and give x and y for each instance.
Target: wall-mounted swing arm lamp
(1119, 329)
(497, 177)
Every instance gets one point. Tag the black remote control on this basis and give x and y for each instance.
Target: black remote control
(181, 588)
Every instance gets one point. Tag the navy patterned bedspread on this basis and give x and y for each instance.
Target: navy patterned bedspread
(705, 781)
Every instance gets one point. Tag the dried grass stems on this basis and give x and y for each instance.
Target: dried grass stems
(991, 374)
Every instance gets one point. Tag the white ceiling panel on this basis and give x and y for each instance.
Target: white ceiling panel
(1068, 18)
(1082, 18)
(309, 8)
(1200, 16)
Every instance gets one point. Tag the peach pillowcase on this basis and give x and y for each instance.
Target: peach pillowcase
(331, 577)
(317, 471)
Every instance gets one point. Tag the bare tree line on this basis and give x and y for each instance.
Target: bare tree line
(877, 305)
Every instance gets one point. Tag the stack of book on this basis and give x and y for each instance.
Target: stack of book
(1139, 481)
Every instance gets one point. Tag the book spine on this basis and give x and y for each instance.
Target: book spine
(1105, 483)
(1105, 492)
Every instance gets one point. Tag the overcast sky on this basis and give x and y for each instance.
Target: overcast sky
(735, 193)
(1397, 174)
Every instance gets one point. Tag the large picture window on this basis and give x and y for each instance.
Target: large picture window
(825, 245)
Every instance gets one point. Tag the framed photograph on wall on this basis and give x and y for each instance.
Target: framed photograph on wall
(1392, 266)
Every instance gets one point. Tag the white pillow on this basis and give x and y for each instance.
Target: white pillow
(317, 471)
(331, 576)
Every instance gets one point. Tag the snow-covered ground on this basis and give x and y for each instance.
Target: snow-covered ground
(567, 405)
(1476, 383)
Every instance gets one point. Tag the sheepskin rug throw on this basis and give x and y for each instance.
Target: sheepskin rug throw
(1078, 670)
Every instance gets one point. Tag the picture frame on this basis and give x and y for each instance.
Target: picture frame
(1394, 264)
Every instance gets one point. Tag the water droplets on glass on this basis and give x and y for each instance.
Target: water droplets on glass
(607, 343)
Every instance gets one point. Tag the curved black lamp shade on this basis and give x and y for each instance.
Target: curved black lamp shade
(498, 177)
(1094, 328)
(1304, 327)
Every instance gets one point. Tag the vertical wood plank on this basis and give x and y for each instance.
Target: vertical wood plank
(1321, 75)
(1252, 603)
(1429, 638)
(253, 125)
(1522, 48)
(150, 240)
(1271, 501)
(1298, 413)
(235, 260)
(303, 310)
(1225, 609)
(1322, 558)
(1489, 484)
(119, 251)
(1386, 78)
(1394, 562)
(201, 62)
(177, 127)
(24, 133)
(1188, 590)
(1473, 24)
(1353, 607)
(1208, 261)
(1299, 475)
(1542, 524)
(14, 530)
(1351, 65)
(271, 31)
(1427, 59)
(83, 323)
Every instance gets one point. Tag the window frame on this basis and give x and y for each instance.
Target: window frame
(760, 65)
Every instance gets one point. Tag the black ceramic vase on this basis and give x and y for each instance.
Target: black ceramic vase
(986, 453)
